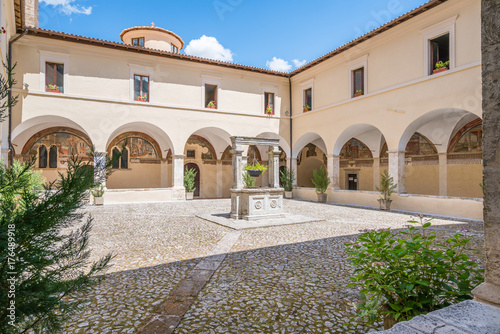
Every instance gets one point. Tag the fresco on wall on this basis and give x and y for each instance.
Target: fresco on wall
(419, 145)
(199, 145)
(355, 149)
(138, 147)
(67, 145)
(470, 141)
(311, 150)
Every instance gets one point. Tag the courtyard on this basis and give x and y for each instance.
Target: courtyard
(281, 279)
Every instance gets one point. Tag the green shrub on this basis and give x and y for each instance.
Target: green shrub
(98, 191)
(248, 180)
(320, 180)
(387, 186)
(409, 272)
(189, 177)
(287, 176)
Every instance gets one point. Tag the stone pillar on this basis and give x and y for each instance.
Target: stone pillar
(4, 157)
(178, 190)
(397, 169)
(333, 167)
(100, 168)
(489, 291)
(376, 173)
(30, 13)
(219, 178)
(274, 167)
(164, 173)
(443, 174)
(237, 168)
(293, 166)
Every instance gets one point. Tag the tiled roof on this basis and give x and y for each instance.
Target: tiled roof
(152, 28)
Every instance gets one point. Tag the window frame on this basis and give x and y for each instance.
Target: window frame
(138, 40)
(120, 160)
(266, 98)
(143, 71)
(56, 58)
(140, 89)
(352, 66)
(55, 77)
(211, 80)
(174, 49)
(46, 157)
(442, 28)
(353, 92)
(309, 84)
(50, 156)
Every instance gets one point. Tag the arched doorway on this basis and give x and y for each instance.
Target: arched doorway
(196, 179)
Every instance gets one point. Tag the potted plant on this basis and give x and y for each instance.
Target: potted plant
(386, 189)
(51, 88)
(97, 193)
(269, 110)
(248, 180)
(287, 176)
(357, 93)
(441, 66)
(321, 181)
(189, 177)
(211, 105)
(255, 169)
(307, 108)
(143, 97)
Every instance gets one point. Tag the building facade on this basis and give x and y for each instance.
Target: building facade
(405, 97)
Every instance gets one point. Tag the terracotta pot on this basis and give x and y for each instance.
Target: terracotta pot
(321, 197)
(385, 204)
(99, 200)
(254, 173)
(357, 94)
(53, 91)
(306, 110)
(189, 196)
(288, 194)
(442, 69)
(210, 107)
(141, 100)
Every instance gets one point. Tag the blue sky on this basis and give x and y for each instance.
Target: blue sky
(276, 34)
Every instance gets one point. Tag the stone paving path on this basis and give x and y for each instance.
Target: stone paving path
(282, 279)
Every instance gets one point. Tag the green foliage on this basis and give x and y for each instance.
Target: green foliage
(6, 83)
(441, 64)
(387, 186)
(411, 272)
(320, 180)
(98, 191)
(44, 246)
(189, 177)
(287, 176)
(248, 180)
(256, 166)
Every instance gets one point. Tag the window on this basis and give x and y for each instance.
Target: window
(211, 96)
(439, 54)
(54, 77)
(53, 157)
(138, 41)
(141, 88)
(191, 154)
(269, 103)
(42, 157)
(358, 82)
(175, 49)
(121, 162)
(307, 99)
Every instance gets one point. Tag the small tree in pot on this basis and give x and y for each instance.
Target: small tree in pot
(321, 181)
(97, 193)
(189, 177)
(386, 189)
(287, 176)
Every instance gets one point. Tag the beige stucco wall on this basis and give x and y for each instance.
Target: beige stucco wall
(365, 177)
(465, 180)
(422, 179)
(138, 175)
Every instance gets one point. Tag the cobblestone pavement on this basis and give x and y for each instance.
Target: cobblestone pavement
(285, 279)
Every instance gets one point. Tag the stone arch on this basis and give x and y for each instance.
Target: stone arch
(307, 138)
(217, 138)
(370, 135)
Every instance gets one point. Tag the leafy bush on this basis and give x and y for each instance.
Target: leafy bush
(98, 191)
(409, 272)
(248, 180)
(320, 180)
(287, 176)
(189, 177)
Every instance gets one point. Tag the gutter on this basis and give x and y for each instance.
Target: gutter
(9, 64)
(291, 137)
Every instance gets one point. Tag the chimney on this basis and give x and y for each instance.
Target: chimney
(30, 13)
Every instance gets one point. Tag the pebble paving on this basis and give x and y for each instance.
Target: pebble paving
(283, 279)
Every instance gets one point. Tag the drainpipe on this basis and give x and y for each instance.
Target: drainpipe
(9, 64)
(290, 97)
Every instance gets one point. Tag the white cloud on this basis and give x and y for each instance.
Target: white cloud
(67, 7)
(208, 47)
(278, 64)
(299, 63)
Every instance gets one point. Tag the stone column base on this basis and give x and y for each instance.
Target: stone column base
(178, 194)
(487, 293)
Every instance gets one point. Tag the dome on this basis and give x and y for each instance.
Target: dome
(153, 38)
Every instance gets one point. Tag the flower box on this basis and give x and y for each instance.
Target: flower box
(52, 91)
(210, 107)
(357, 94)
(306, 110)
(142, 99)
(439, 70)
